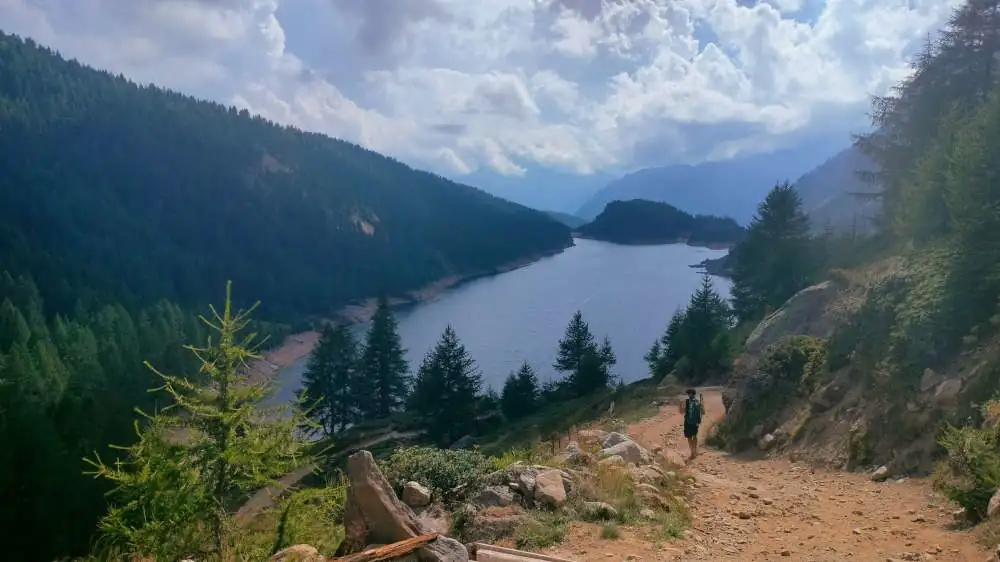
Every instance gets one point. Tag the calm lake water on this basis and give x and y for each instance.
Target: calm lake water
(625, 292)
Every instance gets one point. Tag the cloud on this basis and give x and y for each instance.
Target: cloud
(507, 85)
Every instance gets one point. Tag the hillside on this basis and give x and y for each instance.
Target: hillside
(829, 193)
(648, 222)
(569, 220)
(730, 188)
(147, 194)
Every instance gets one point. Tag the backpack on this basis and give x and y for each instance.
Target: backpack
(692, 412)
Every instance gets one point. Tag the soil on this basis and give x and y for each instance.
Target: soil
(772, 509)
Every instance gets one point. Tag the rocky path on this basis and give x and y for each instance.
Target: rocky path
(756, 510)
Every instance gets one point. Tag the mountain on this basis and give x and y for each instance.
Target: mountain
(829, 191)
(540, 188)
(115, 192)
(569, 220)
(649, 222)
(731, 188)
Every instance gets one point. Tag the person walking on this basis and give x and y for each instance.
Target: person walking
(692, 420)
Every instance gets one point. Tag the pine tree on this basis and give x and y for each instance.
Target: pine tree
(173, 491)
(446, 389)
(520, 393)
(330, 381)
(383, 366)
(588, 366)
(696, 343)
(774, 261)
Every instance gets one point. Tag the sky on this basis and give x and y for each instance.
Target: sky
(506, 86)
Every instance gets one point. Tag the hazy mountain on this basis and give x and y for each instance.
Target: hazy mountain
(828, 193)
(731, 188)
(539, 188)
(569, 220)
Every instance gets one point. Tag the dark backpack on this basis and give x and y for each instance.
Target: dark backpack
(692, 412)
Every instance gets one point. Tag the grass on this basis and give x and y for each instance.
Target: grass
(540, 530)
(609, 531)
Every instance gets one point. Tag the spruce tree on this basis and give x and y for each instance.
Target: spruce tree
(329, 384)
(447, 389)
(174, 489)
(520, 393)
(775, 260)
(696, 342)
(383, 366)
(587, 365)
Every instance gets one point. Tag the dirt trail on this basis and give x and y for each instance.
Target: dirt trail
(756, 510)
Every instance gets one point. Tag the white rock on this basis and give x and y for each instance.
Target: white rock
(416, 494)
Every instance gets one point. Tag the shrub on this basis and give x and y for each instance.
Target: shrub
(609, 531)
(540, 530)
(442, 470)
(790, 359)
(313, 516)
(970, 474)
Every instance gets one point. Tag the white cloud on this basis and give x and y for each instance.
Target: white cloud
(509, 84)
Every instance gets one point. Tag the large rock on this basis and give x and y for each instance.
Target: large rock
(946, 394)
(591, 437)
(495, 496)
(629, 450)
(550, 489)
(374, 515)
(416, 495)
(993, 508)
(806, 313)
(613, 439)
(881, 474)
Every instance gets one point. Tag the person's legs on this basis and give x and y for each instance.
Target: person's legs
(691, 434)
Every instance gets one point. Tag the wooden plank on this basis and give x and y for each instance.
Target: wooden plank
(389, 551)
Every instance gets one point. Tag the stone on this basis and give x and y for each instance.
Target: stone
(673, 458)
(464, 443)
(549, 488)
(495, 496)
(599, 510)
(613, 460)
(629, 450)
(591, 437)
(993, 508)
(929, 380)
(947, 392)
(647, 513)
(374, 515)
(881, 474)
(766, 442)
(526, 485)
(416, 494)
(614, 439)
(298, 553)
(646, 474)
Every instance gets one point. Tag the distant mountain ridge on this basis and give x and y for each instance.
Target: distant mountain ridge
(638, 221)
(731, 188)
(539, 188)
(829, 193)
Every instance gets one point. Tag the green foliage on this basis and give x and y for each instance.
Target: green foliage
(540, 530)
(609, 531)
(447, 389)
(332, 383)
(174, 490)
(384, 374)
(313, 516)
(442, 470)
(970, 474)
(180, 194)
(639, 221)
(587, 365)
(775, 260)
(793, 359)
(696, 344)
(520, 393)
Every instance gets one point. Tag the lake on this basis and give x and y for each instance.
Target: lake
(625, 292)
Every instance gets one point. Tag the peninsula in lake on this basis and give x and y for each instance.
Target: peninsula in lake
(639, 221)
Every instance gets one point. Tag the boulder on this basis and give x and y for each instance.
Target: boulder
(374, 515)
(495, 496)
(673, 458)
(297, 553)
(881, 474)
(993, 508)
(647, 474)
(946, 394)
(591, 436)
(629, 450)
(416, 495)
(526, 485)
(807, 313)
(613, 439)
(766, 442)
(599, 510)
(613, 460)
(464, 443)
(549, 488)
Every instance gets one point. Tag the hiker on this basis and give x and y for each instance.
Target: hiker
(692, 420)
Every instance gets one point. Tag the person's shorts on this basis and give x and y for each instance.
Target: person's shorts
(690, 431)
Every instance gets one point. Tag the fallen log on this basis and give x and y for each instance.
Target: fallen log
(389, 551)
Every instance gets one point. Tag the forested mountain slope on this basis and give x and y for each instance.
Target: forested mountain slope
(112, 191)
(650, 222)
(833, 193)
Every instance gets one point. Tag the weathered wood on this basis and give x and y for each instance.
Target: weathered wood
(492, 553)
(389, 551)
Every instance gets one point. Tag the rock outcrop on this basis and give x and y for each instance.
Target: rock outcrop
(806, 313)
(374, 515)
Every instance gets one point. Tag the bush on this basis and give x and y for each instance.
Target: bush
(313, 516)
(970, 474)
(442, 470)
(791, 359)
(540, 530)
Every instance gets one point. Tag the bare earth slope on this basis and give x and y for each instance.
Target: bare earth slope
(756, 510)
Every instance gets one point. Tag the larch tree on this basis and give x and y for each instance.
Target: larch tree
(331, 380)
(447, 388)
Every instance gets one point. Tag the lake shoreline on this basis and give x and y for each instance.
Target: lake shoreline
(661, 242)
(297, 346)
